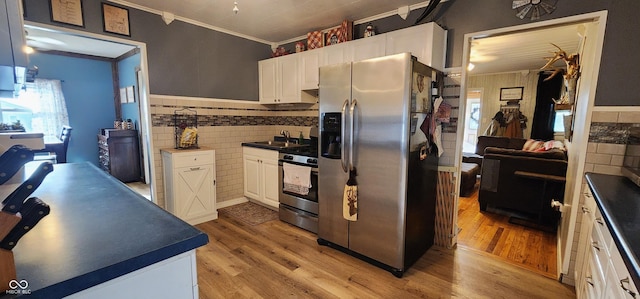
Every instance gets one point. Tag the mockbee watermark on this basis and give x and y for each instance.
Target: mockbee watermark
(18, 287)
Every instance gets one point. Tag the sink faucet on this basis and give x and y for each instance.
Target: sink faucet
(286, 135)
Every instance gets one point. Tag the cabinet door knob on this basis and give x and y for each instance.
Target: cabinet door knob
(585, 210)
(629, 291)
(589, 279)
(595, 245)
(599, 220)
(194, 168)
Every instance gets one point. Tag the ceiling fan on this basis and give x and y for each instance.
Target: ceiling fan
(533, 8)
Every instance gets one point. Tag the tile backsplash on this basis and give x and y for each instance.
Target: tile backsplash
(223, 125)
(607, 140)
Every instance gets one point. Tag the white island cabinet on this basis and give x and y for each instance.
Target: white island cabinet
(600, 270)
(190, 184)
(261, 175)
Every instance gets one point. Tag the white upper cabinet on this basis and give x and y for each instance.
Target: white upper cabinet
(426, 42)
(288, 79)
(283, 78)
(309, 64)
(365, 48)
(280, 81)
(335, 54)
(267, 71)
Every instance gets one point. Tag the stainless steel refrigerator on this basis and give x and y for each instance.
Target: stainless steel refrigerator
(376, 117)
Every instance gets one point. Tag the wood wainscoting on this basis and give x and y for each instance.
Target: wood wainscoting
(277, 260)
(492, 234)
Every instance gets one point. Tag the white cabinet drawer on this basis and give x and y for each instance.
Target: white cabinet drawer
(192, 160)
(599, 249)
(594, 278)
(262, 153)
(623, 282)
(602, 227)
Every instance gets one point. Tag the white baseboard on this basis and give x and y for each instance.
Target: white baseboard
(232, 202)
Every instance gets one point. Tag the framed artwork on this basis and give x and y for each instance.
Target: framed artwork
(115, 19)
(67, 12)
(131, 98)
(123, 95)
(511, 93)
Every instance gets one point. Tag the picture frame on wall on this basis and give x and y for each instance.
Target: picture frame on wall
(511, 93)
(123, 95)
(67, 12)
(131, 98)
(115, 19)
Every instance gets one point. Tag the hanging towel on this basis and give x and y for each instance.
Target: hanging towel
(297, 179)
(350, 198)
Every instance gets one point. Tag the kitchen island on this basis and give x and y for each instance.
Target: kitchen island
(102, 240)
(618, 199)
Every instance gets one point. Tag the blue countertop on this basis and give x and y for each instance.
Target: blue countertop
(98, 229)
(619, 200)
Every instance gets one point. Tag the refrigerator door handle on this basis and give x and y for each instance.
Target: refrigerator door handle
(352, 111)
(343, 157)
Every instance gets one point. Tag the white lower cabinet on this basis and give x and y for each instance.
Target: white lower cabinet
(190, 184)
(175, 277)
(600, 271)
(261, 175)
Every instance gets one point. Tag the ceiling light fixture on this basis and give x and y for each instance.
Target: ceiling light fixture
(235, 7)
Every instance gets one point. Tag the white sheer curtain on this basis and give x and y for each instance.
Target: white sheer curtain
(47, 102)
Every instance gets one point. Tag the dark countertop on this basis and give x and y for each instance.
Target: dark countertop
(98, 229)
(619, 200)
(263, 145)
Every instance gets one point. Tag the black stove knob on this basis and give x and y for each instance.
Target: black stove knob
(288, 157)
(312, 161)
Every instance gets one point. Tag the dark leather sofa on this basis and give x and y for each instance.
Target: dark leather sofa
(491, 141)
(523, 182)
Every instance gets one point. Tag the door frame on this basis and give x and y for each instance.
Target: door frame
(586, 99)
(145, 124)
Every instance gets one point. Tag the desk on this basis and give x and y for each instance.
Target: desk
(53, 144)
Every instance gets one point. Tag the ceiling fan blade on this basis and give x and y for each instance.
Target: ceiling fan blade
(432, 5)
(519, 3)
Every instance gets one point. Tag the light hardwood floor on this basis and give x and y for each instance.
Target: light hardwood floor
(492, 234)
(277, 260)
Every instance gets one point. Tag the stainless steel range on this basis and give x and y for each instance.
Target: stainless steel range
(301, 209)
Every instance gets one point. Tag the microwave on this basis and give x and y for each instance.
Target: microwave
(631, 164)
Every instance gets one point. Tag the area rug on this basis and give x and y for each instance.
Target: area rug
(249, 213)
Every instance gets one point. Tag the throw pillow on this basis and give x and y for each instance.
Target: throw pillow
(532, 145)
(554, 144)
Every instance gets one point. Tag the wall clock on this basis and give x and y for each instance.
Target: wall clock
(533, 8)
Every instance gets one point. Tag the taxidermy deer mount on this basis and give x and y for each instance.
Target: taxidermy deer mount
(570, 74)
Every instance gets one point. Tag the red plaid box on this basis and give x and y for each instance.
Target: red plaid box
(315, 40)
(339, 34)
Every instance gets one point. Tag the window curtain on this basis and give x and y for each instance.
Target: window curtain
(544, 113)
(49, 107)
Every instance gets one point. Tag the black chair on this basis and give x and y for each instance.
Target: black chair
(56, 151)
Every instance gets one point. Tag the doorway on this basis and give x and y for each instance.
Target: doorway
(593, 25)
(80, 42)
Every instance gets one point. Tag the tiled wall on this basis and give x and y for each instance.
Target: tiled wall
(451, 96)
(223, 125)
(605, 153)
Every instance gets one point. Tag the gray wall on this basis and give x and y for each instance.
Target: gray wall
(183, 59)
(222, 66)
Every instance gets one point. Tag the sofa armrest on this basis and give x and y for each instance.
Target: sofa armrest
(553, 154)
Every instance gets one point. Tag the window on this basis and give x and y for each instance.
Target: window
(40, 107)
(558, 125)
